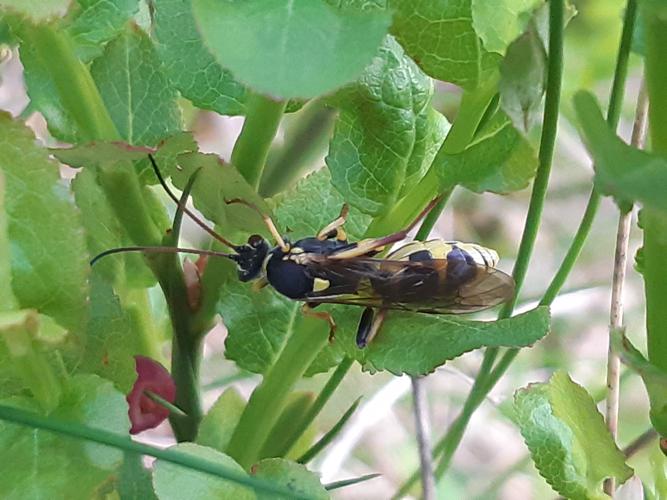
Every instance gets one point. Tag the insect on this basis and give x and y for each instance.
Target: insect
(435, 276)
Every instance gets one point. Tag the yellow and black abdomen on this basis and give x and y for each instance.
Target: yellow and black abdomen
(437, 271)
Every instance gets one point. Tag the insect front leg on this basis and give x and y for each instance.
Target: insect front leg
(307, 310)
(369, 326)
(335, 228)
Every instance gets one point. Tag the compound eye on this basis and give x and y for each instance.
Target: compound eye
(255, 240)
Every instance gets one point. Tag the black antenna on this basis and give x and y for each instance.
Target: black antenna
(148, 249)
(190, 214)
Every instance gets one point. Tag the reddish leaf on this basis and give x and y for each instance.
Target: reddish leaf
(144, 412)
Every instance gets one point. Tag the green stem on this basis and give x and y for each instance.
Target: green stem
(79, 95)
(473, 108)
(484, 381)
(259, 129)
(408, 208)
(329, 436)
(136, 302)
(432, 217)
(574, 251)
(123, 442)
(306, 139)
(546, 152)
(269, 398)
(76, 88)
(186, 348)
(654, 223)
(613, 115)
(163, 402)
(322, 398)
(547, 145)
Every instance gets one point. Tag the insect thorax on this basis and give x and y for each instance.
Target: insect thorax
(288, 272)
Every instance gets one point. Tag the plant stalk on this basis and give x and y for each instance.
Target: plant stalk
(322, 398)
(301, 145)
(259, 129)
(447, 445)
(269, 398)
(618, 281)
(123, 442)
(423, 430)
(654, 224)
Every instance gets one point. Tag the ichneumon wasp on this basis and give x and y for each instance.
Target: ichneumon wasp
(435, 276)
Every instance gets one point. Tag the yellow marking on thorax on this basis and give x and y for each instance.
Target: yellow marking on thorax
(319, 284)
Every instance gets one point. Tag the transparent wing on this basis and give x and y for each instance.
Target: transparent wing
(431, 286)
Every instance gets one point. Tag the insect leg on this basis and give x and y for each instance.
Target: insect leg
(369, 245)
(267, 220)
(369, 326)
(335, 228)
(307, 310)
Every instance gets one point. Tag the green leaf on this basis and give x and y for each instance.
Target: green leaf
(499, 23)
(289, 422)
(523, 79)
(218, 424)
(567, 438)
(257, 324)
(103, 230)
(112, 337)
(189, 64)
(290, 48)
(57, 466)
(44, 96)
(295, 212)
(48, 251)
(499, 159)
(431, 128)
(626, 173)
(386, 133)
(99, 153)
(8, 301)
(654, 379)
(291, 475)
(440, 37)
(93, 23)
(217, 182)
(416, 344)
(37, 10)
(326, 359)
(134, 480)
(135, 90)
(25, 334)
(171, 481)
